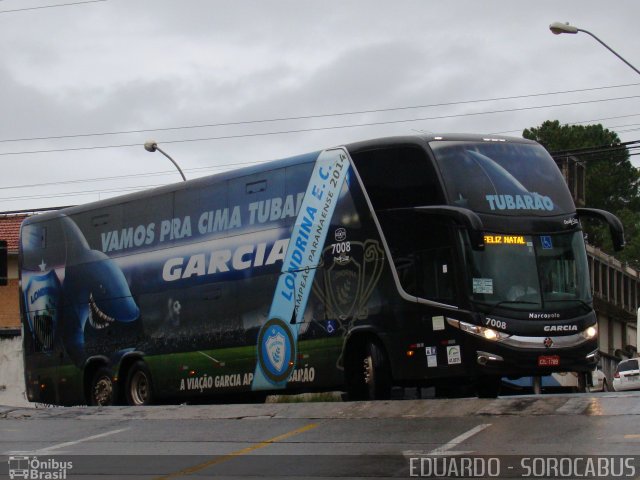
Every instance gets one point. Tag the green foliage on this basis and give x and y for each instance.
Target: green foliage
(631, 253)
(612, 182)
(556, 137)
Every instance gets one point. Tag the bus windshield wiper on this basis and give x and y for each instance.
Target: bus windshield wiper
(565, 300)
(506, 301)
(517, 302)
(493, 306)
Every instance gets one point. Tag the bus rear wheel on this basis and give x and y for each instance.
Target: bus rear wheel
(583, 382)
(139, 388)
(369, 375)
(103, 389)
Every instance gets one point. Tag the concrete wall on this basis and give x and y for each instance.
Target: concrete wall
(603, 333)
(632, 336)
(12, 373)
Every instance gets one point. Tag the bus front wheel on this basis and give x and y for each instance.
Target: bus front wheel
(139, 389)
(537, 385)
(583, 382)
(369, 375)
(103, 388)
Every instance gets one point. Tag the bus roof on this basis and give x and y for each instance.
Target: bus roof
(353, 147)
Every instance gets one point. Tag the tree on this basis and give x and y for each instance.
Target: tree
(612, 182)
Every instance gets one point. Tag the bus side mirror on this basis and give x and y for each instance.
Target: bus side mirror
(3, 262)
(463, 216)
(615, 225)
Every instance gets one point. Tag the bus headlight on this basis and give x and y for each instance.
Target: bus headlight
(490, 334)
(484, 332)
(590, 332)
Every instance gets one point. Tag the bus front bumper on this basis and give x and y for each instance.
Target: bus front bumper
(505, 360)
(494, 352)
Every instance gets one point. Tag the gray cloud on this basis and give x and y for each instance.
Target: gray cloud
(119, 65)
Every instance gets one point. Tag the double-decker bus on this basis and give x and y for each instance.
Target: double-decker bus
(410, 261)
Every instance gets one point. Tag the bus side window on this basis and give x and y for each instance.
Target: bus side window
(43, 246)
(432, 268)
(257, 187)
(261, 196)
(422, 254)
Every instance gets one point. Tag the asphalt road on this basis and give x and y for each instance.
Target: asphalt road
(390, 439)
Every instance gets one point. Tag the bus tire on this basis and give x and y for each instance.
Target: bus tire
(488, 387)
(582, 382)
(104, 390)
(139, 387)
(537, 385)
(369, 375)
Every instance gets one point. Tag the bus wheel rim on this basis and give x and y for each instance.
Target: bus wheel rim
(139, 388)
(368, 370)
(102, 391)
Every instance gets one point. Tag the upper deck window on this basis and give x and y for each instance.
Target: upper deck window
(502, 178)
(398, 177)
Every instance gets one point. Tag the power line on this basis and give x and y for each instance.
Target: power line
(80, 193)
(631, 145)
(316, 129)
(51, 6)
(629, 130)
(583, 150)
(624, 147)
(120, 177)
(577, 123)
(314, 116)
(622, 126)
(600, 153)
(146, 174)
(246, 163)
(214, 167)
(606, 118)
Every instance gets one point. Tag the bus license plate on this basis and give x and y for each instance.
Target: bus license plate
(548, 360)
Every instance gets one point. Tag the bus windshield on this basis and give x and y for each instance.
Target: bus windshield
(530, 272)
(502, 178)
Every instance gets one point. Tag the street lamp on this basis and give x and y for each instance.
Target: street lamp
(558, 27)
(152, 146)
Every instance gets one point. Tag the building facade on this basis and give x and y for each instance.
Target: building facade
(9, 304)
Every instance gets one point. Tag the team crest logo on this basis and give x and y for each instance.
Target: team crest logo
(276, 350)
(349, 283)
(548, 342)
(41, 299)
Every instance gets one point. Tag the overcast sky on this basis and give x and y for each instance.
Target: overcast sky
(106, 76)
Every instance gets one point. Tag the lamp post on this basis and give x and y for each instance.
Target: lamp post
(558, 27)
(152, 146)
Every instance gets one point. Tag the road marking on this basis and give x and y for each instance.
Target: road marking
(575, 405)
(444, 449)
(46, 450)
(244, 451)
